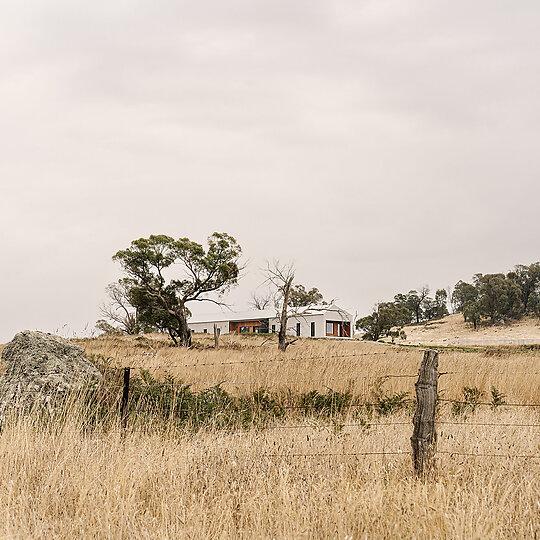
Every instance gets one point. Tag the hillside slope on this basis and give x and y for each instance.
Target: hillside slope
(452, 330)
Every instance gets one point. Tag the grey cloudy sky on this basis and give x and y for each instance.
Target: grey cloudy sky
(381, 144)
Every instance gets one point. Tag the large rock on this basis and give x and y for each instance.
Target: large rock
(41, 368)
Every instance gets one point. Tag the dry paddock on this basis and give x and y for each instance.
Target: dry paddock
(301, 477)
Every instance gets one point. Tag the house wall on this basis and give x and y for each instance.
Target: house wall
(209, 327)
(305, 324)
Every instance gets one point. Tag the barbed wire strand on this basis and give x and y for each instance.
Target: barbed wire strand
(484, 424)
(409, 423)
(489, 373)
(206, 364)
(491, 404)
(350, 454)
(385, 424)
(473, 454)
(297, 381)
(262, 361)
(401, 453)
(330, 426)
(365, 404)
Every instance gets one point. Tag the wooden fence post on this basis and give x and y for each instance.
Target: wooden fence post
(125, 395)
(217, 331)
(424, 436)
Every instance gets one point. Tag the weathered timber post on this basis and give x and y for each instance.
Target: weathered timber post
(424, 436)
(217, 331)
(125, 396)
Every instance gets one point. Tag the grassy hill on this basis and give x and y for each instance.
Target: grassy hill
(452, 330)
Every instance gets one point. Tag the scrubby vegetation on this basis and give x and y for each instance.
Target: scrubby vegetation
(170, 402)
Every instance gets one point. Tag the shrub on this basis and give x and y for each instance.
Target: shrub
(325, 404)
(471, 397)
(497, 398)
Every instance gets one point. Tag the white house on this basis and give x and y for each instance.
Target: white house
(318, 321)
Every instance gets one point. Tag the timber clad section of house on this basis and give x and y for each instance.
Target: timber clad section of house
(239, 326)
(249, 326)
(338, 329)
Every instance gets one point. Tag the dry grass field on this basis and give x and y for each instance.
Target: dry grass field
(301, 476)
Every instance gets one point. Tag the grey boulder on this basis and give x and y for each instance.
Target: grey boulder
(42, 368)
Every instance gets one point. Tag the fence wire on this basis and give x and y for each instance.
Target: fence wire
(475, 454)
(308, 407)
(261, 361)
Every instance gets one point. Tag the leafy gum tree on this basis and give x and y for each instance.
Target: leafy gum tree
(464, 293)
(301, 297)
(385, 316)
(499, 297)
(414, 301)
(194, 272)
(528, 280)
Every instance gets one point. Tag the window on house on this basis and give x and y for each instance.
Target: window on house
(297, 328)
(312, 329)
(205, 331)
(244, 329)
(273, 329)
(329, 328)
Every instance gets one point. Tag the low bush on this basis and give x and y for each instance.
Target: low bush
(172, 403)
(471, 397)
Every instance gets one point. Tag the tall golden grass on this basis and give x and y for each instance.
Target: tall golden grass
(318, 363)
(301, 478)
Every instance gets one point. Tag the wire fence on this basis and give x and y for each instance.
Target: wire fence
(258, 361)
(362, 424)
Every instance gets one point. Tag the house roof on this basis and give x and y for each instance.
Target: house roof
(262, 314)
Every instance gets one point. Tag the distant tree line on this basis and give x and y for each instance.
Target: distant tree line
(489, 298)
(499, 297)
(416, 306)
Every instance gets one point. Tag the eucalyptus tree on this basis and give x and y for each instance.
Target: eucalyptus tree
(164, 275)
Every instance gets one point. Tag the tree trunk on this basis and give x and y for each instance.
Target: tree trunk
(173, 337)
(184, 333)
(282, 336)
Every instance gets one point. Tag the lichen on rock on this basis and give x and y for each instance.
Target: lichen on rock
(41, 369)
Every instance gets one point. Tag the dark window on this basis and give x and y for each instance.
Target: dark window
(205, 331)
(273, 329)
(312, 329)
(297, 328)
(244, 329)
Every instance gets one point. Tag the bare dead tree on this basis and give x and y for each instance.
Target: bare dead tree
(449, 291)
(118, 308)
(281, 278)
(289, 299)
(261, 301)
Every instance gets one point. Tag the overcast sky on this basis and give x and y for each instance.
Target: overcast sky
(380, 145)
